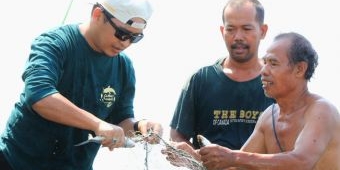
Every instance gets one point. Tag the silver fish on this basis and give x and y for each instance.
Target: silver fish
(202, 140)
(98, 139)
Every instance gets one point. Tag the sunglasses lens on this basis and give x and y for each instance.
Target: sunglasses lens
(121, 33)
(123, 36)
(136, 38)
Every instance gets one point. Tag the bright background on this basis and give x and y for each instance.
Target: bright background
(182, 36)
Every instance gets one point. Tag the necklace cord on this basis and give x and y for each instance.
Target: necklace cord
(275, 134)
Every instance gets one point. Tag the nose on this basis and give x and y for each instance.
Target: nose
(238, 35)
(264, 70)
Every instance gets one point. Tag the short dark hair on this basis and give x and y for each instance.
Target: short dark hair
(258, 7)
(300, 50)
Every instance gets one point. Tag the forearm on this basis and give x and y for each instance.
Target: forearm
(127, 125)
(279, 161)
(178, 137)
(58, 109)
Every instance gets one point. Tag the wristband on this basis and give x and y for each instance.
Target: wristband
(135, 126)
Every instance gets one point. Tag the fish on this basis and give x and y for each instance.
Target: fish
(202, 141)
(98, 139)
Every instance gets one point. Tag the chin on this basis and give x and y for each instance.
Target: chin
(111, 53)
(267, 94)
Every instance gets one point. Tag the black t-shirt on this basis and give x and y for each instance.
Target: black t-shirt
(219, 108)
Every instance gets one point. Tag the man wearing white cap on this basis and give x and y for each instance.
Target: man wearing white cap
(78, 82)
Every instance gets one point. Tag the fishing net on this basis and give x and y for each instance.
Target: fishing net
(146, 156)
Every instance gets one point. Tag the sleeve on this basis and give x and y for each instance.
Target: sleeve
(183, 119)
(43, 68)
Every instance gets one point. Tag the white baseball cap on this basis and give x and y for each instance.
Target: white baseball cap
(125, 10)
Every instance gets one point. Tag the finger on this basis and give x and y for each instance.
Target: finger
(164, 151)
(203, 159)
(173, 161)
(111, 148)
(153, 139)
(175, 164)
(110, 145)
(113, 143)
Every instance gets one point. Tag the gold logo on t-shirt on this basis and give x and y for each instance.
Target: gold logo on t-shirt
(108, 96)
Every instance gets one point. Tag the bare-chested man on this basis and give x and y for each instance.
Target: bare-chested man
(301, 131)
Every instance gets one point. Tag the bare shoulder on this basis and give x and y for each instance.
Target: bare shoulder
(320, 105)
(322, 111)
(267, 113)
(265, 118)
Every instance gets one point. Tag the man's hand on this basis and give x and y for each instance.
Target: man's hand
(181, 154)
(113, 135)
(216, 157)
(150, 129)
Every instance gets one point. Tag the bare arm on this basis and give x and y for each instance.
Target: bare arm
(127, 126)
(256, 141)
(309, 146)
(58, 109)
(179, 137)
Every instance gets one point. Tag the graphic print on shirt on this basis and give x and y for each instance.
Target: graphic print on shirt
(226, 117)
(108, 96)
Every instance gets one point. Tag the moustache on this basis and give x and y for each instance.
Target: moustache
(239, 45)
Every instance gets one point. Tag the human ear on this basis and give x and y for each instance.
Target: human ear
(264, 29)
(97, 12)
(301, 68)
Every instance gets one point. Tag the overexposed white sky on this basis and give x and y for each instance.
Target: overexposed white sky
(182, 36)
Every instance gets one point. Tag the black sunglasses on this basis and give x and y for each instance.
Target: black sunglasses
(121, 33)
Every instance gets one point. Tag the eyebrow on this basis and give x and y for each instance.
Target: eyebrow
(269, 59)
